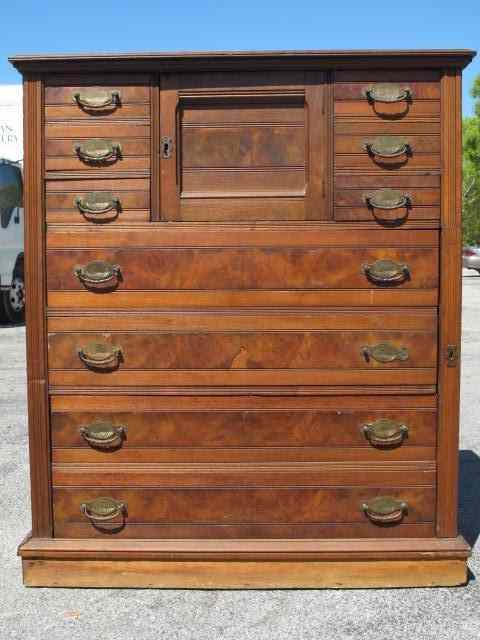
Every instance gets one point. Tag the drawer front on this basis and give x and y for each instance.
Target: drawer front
(152, 429)
(132, 89)
(245, 269)
(97, 146)
(383, 93)
(231, 266)
(372, 197)
(94, 97)
(232, 350)
(98, 201)
(243, 512)
(77, 154)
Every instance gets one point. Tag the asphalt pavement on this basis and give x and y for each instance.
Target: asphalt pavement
(111, 614)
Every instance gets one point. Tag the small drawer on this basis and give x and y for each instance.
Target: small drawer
(392, 199)
(152, 429)
(99, 201)
(97, 154)
(97, 97)
(387, 94)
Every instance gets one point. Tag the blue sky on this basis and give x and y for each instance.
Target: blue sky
(33, 26)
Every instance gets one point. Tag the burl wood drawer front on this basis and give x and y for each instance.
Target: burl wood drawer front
(244, 512)
(99, 201)
(225, 353)
(194, 267)
(372, 197)
(153, 429)
(387, 93)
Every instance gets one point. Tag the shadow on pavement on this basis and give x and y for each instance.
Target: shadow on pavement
(469, 522)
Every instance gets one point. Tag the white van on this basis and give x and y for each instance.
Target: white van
(12, 289)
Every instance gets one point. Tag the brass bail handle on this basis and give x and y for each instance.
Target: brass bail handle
(385, 352)
(98, 150)
(388, 93)
(385, 433)
(97, 100)
(388, 147)
(100, 355)
(96, 204)
(103, 509)
(385, 510)
(98, 273)
(103, 435)
(388, 199)
(386, 272)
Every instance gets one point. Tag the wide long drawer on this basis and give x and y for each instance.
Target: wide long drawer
(231, 266)
(153, 429)
(229, 350)
(244, 511)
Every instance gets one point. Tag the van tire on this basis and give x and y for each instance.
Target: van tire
(14, 297)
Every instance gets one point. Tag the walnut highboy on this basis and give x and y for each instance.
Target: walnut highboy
(243, 276)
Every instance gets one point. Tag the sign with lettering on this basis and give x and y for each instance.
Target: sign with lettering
(11, 122)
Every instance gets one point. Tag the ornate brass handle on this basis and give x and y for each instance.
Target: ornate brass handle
(103, 509)
(103, 435)
(388, 93)
(388, 147)
(385, 510)
(96, 205)
(100, 355)
(388, 199)
(98, 150)
(97, 99)
(98, 274)
(385, 352)
(385, 432)
(386, 272)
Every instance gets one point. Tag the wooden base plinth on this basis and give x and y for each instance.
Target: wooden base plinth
(252, 564)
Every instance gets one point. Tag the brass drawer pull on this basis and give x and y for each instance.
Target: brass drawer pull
(100, 355)
(386, 272)
(96, 205)
(103, 435)
(103, 509)
(388, 147)
(98, 274)
(385, 352)
(97, 99)
(388, 93)
(385, 432)
(385, 510)
(387, 199)
(98, 150)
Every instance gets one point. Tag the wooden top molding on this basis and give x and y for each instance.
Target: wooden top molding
(163, 61)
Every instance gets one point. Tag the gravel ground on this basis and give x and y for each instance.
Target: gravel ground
(34, 614)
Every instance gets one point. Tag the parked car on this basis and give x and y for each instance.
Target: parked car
(12, 288)
(471, 258)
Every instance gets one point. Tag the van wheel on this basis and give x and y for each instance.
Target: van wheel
(14, 297)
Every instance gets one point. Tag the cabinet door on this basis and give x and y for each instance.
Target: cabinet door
(244, 146)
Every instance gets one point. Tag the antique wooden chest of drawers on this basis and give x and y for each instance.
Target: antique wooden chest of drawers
(243, 277)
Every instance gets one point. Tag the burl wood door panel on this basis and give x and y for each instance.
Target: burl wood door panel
(249, 146)
(154, 429)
